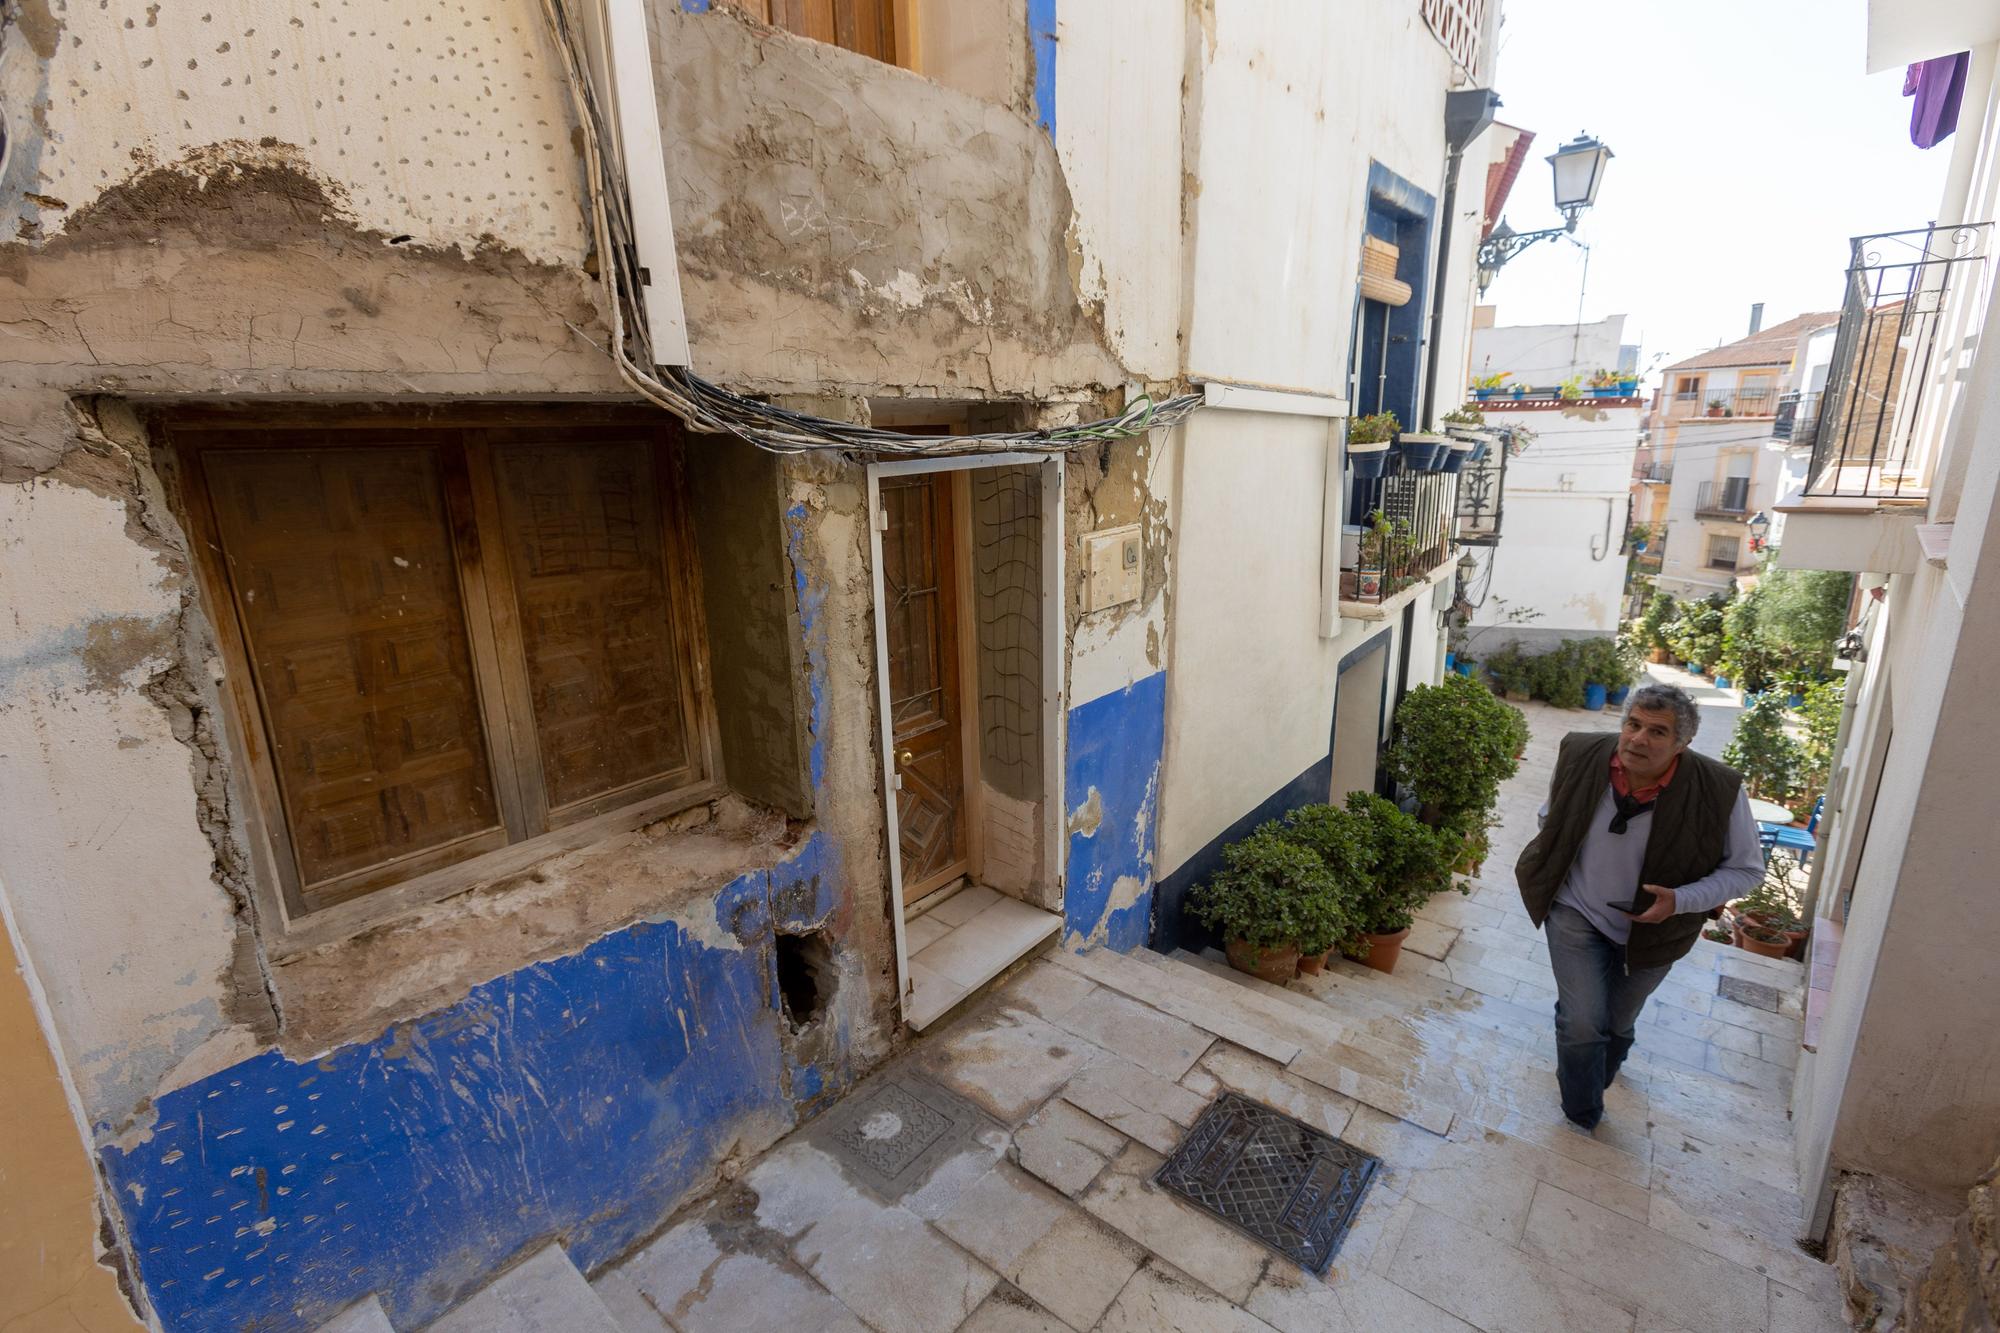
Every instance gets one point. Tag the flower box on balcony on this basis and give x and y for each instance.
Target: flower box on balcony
(1424, 452)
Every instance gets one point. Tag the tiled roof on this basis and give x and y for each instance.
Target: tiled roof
(1767, 347)
(1500, 177)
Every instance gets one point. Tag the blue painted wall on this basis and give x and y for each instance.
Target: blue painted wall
(1042, 51)
(578, 1099)
(1114, 757)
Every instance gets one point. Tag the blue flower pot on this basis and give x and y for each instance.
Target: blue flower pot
(1451, 661)
(1422, 453)
(1483, 394)
(1466, 669)
(1368, 464)
(1454, 458)
(1627, 388)
(1617, 697)
(1593, 697)
(1722, 682)
(1604, 391)
(1795, 701)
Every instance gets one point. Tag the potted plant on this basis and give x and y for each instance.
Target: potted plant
(1269, 895)
(1604, 383)
(1368, 441)
(1486, 386)
(1571, 389)
(1520, 391)
(1628, 385)
(1718, 408)
(1512, 672)
(1455, 744)
(1344, 845)
(1764, 942)
(1410, 863)
(1423, 450)
(1385, 549)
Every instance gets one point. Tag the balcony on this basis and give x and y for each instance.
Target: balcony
(1908, 326)
(1729, 499)
(1750, 400)
(1655, 474)
(1410, 534)
(1797, 421)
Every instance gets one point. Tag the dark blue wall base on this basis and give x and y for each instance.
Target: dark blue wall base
(1172, 927)
(578, 1099)
(1113, 760)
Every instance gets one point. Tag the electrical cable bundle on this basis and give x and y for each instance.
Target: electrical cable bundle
(706, 406)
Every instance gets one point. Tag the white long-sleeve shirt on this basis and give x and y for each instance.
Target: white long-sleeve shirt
(1607, 868)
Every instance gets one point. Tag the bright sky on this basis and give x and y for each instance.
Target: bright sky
(1749, 147)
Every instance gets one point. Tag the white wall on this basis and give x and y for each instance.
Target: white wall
(1544, 355)
(1118, 135)
(1250, 697)
(1562, 523)
(1294, 102)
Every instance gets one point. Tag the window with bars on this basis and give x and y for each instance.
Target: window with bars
(443, 641)
(1723, 551)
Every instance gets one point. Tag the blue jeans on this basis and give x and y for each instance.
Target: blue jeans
(1597, 1007)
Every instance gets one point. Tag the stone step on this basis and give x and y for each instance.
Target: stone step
(542, 1292)
(364, 1316)
(1184, 999)
(1320, 1046)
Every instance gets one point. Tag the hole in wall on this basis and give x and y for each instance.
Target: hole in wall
(806, 977)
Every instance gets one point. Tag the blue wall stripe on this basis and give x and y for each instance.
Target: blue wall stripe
(577, 1099)
(1114, 756)
(1042, 50)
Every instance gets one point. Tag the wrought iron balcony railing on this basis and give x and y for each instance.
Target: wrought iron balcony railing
(1730, 499)
(1406, 535)
(1751, 400)
(1798, 418)
(1908, 325)
(1662, 472)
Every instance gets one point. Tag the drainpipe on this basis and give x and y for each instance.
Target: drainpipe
(1466, 113)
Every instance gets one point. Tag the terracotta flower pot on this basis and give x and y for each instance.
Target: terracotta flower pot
(1312, 964)
(1384, 950)
(1277, 965)
(1764, 943)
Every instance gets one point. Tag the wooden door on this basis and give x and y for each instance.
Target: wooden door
(926, 697)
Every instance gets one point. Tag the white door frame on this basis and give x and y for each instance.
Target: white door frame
(1054, 623)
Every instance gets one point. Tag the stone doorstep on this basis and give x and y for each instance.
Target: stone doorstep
(966, 960)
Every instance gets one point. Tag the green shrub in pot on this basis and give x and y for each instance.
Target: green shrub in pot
(1455, 744)
(1411, 864)
(1345, 845)
(1270, 895)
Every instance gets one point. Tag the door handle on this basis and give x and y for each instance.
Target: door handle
(906, 758)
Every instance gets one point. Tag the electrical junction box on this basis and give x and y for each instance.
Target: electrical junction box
(1114, 567)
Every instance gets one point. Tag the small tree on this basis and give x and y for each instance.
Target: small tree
(1821, 714)
(1762, 751)
(1455, 744)
(1802, 613)
(1659, 612)
(1696, 632)
(1746, 655)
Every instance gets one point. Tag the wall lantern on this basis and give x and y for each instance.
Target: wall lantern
(1578, 169)
(1760, 528)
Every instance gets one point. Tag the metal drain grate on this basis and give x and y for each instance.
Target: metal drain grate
(1753, 993)
(1276, 1179)
(894, 1130)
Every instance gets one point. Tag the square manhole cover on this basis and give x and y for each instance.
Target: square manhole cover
(1753, 993)
(1276, 1179)
(894, 1131)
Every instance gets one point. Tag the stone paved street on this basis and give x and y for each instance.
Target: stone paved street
(1079, 1073)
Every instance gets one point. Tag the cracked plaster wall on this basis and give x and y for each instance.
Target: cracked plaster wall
(384, 203)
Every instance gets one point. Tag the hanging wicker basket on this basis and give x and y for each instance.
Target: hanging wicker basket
(1378, 272)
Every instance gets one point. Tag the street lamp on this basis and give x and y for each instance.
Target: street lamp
(1578, 168)
(1760, 527)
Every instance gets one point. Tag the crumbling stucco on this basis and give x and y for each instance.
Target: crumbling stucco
(446, 123)
(843, 223)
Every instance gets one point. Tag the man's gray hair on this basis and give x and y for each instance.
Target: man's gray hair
(1667, 699)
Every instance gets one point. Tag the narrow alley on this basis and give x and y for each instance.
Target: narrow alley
(998, 1177)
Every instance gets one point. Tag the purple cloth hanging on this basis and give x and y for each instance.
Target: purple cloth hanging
(1937, 85)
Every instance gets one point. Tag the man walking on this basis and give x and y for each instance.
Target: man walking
(1640, 840)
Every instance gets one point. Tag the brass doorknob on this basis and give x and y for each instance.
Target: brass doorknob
(906, 758)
